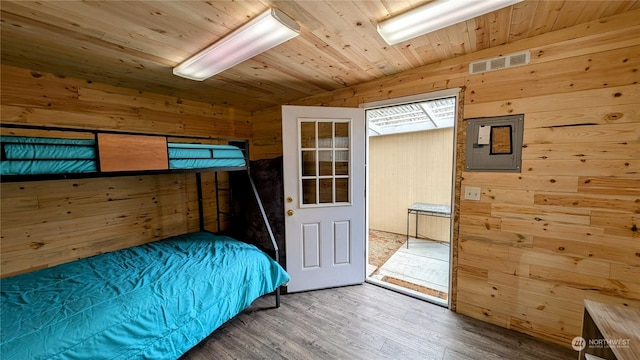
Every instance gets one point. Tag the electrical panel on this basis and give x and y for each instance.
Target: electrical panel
(494, 144)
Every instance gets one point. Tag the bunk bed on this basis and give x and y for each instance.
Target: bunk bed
(155, 300)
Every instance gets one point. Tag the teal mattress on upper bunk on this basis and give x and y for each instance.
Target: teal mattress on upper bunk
(200, 156)
(40, 156)
(153, 301)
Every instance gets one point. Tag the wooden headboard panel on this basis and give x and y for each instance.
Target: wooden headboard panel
(116, 152)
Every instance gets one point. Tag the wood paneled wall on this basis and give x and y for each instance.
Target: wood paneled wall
(50, 222)
(566, 228)
(408, 168)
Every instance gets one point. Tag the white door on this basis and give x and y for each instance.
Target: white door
(324, 190)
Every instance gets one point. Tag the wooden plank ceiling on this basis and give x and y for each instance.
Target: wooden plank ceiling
(136, 44)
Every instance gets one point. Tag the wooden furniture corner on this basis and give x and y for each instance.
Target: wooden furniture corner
(610, 331)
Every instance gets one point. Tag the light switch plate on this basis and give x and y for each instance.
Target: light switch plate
(471, 193)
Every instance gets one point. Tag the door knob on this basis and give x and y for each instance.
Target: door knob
(290, 212)
(289, 199)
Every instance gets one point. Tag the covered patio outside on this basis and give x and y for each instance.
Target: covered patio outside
(411, 148)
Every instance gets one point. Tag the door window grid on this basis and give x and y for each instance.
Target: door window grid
(325, 163)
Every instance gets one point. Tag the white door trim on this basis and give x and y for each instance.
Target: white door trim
(414, 98)
(453, 92)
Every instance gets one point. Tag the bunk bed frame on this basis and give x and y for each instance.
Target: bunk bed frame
(243, 145)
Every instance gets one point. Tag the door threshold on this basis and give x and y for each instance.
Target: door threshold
(408, 292)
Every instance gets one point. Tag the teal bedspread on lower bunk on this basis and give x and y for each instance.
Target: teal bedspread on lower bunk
(152, 301)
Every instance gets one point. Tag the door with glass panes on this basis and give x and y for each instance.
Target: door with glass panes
(324, 189)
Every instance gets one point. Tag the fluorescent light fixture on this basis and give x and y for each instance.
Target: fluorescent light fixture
(436, 15)
(269, 29)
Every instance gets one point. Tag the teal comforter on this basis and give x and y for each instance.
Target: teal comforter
(152, 301)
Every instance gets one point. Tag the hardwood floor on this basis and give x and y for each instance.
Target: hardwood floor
(364, 322)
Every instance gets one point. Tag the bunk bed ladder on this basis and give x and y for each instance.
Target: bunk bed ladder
(218, 211)
(245, 148)
(260, 207)
(200, 201)
(215, 177)
(268, 226)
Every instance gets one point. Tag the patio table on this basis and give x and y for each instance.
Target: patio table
(417, 209)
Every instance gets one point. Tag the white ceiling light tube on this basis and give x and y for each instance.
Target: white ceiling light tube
(436, 15)
(269, 29)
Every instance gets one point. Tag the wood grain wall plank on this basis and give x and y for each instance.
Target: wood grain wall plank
(597, 268)
(604, 286)
(576, 73)
(592, 202)
(624, 272)
(624, 150)
(583, 167)
(613, 97)
(480, 233)
(611, 249)
(614, 133)
(562, 215)
(615, 223)
(609, 186)
(590, 115)
(522, 181)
